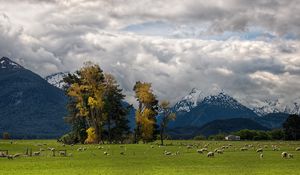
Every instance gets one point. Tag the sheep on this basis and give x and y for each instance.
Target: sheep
(17, 155)
(244, 149)
(261, 155)
(284, 154)
(62, 153)
(298, 149)
(189, 147)
(290, 156)
(204, 149)
(210, 154)
(51, 149)
(100, 147)
(79, 149)
(105, 153)
(220, 151)
(10, 157)
(259, 150)
(37, 153)
(199, 151)
(167, 153)
(2, 154)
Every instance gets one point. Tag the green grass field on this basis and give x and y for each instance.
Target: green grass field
(142, 159)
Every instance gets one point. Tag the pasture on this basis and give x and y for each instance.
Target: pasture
(179, 157)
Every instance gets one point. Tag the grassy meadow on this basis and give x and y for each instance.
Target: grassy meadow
(150, 158)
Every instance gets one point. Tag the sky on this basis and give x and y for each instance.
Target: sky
(250, 49)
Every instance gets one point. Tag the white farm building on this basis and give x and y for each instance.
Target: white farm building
(232, 137)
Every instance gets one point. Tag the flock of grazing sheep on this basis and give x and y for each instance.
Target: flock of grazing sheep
(208, 149)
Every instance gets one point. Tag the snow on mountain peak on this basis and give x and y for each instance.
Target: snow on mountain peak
(56, 79)
(190, 101)
(6, 63)
(195, 97)
(277, 106)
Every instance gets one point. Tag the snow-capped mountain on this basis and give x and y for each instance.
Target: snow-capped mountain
(6, 63)
(195, 97)
(197, 108)
(276, 106)
(56, 79)
(190, 101)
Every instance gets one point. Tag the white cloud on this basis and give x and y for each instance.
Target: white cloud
(52, 36)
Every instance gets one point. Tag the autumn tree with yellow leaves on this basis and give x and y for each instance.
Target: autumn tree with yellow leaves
(146, 127)
(97, 100)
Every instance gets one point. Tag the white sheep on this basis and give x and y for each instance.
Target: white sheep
(220, 151)
(167, 153)
(244, 149)
(210, 154)
(298, 149)
(105, 153)
(199, 151)
(259, 150)
(62, 153)
(37, 153)
(284, 154)
(17, 155)
(79, 149)
(261, 155)
(204, 149)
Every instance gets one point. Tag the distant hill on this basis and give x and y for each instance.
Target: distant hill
(29, 106)
(215, 127)
(272, 120)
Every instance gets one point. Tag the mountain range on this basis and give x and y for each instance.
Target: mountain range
(34, 107)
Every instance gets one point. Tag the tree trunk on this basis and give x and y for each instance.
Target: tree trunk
(162, 135)
(98, 133)
(109, 130)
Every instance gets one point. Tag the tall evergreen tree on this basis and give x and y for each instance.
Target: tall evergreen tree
(291, 127)
(116, 120)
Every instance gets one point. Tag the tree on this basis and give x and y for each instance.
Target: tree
(146, 126)
(167, 115)
(95, 105)
(89, 97)
(291, 127)
(78, 122)
(116, 119)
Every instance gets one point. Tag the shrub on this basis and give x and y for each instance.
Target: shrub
(69, 138)
(92, 137)
(200, 137)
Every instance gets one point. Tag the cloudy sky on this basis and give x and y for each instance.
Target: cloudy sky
(251, 49)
